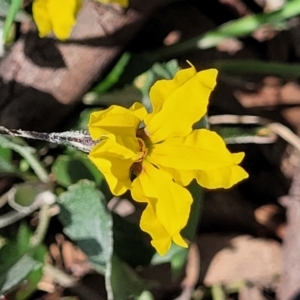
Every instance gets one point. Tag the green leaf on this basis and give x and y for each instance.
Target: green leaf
(176, 257)
(5, 154)
(17, 272)
(14, 250)
(130, 243)
(88, 223)
(12, 13)
(178, 262)
(6, 167)
(124, 281)
(17, 261)
(145, 295)
(34, 277)
(68, 170)
(167, 258)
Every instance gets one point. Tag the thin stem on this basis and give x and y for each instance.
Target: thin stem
(285, 133)
(40, 232)
(32, 160)
(14, 216)
(4, 198)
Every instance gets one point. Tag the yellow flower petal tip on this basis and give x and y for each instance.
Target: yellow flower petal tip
(158, 160)
(161, 246)
(179, 103)
(55, 16)
(206, 77)
(180, 241)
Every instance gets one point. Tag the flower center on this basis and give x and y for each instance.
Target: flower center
(140, 133)
(143, 149)
(137, 167)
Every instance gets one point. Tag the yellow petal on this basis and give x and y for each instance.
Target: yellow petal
(149, 222)
(200, 150)
(63, 16)
(114, 157)
(78, 6)
(41, 17)
(170, 204)
(221, 178)
(138, 110)
(203, 151)
(182, 177)
(116, 120)
(161, 240)
(123, 3)
(179, 103)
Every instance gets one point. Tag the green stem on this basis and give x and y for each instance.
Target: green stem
(14, 216)
(40, 232)
(32, 160)
(217, 292)
(14, 7)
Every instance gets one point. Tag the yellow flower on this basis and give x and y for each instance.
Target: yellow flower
(166, 154)
(57, 16)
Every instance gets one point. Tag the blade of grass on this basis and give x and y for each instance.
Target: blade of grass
(287, 71)
(13, 11)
